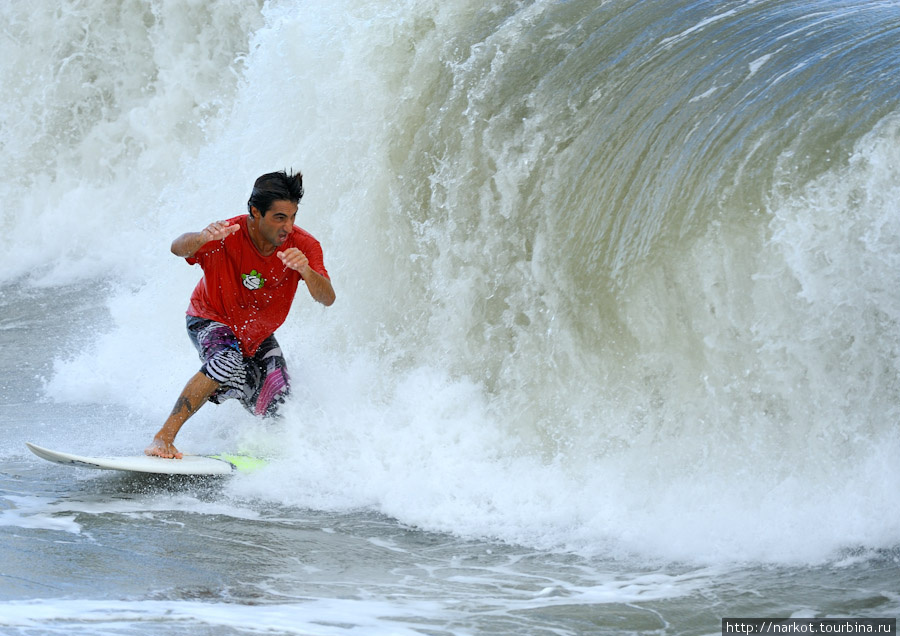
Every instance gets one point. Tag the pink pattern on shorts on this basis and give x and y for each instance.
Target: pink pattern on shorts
(274, 384)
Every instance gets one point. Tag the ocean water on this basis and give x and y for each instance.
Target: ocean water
(617, 338)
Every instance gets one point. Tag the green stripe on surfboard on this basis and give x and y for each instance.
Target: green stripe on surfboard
(242, 463)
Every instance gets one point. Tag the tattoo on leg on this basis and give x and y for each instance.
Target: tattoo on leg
(183, 403)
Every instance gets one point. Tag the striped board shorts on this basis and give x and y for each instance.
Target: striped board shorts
(260, 382)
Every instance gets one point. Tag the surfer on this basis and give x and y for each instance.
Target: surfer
(252, 265)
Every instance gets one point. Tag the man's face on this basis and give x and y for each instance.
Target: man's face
(276, 225)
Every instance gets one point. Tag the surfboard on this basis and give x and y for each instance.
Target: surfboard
(187, 465)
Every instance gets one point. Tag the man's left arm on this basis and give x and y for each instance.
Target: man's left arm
(319, 286)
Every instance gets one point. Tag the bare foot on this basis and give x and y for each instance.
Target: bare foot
(160, 448)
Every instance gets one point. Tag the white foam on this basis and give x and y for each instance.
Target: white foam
(715, 407)
(312, 616)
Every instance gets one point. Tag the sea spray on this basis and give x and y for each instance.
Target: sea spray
(103, 101)
(609, 277)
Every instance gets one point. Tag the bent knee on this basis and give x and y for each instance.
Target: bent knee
(273, 392)
(226, 367)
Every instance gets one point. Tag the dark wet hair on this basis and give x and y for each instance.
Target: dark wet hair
(275, 186)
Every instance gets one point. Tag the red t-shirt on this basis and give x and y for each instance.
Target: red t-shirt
(245, 290)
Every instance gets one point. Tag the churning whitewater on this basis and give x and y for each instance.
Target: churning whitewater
(613, 278)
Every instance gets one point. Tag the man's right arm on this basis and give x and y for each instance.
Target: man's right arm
(187, 244)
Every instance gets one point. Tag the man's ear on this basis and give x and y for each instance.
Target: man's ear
(254, 212)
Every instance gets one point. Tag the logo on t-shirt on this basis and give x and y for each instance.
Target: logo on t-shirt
(253, 280)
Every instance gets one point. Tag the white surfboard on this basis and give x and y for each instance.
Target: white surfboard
(187, 465)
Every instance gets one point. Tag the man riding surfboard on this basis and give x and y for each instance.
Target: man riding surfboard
(252, 265)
